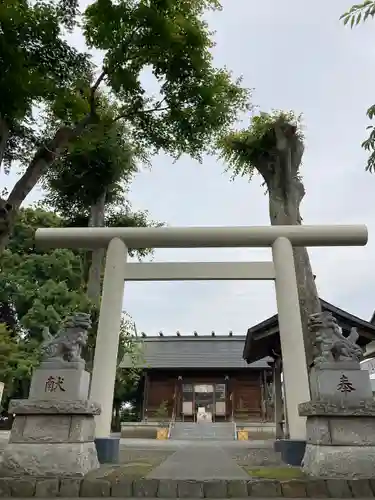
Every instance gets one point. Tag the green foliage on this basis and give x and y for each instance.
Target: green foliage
(97, 162)
(42, 287)
(36, 64)
(162, 414)
(195, 104)
(171, 39)
(127, 380)
(125, 217)
(18, 357)
(355, 15)
(358, 13)
(101, 160)
(244, 150)
(369, 143)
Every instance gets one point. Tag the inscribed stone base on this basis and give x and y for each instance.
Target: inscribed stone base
(48, 459)
(345, 387)
(350, 462)
(60, 384)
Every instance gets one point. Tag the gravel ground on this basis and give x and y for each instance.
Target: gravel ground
(153, 452)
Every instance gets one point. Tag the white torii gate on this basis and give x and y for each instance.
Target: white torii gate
(281, 270)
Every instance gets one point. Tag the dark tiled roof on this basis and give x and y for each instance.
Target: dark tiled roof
(194, 352)
(263, 338)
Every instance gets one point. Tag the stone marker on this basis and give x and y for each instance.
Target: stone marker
(54, 430)
(340, 421)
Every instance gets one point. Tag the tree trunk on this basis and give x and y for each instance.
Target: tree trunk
(97, 256)
(286, 192)
(4, 135)
(116, 422)
(307, 291)
(42, 159)
(94, 280)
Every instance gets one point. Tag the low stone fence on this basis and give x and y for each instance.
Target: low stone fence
(28, 487)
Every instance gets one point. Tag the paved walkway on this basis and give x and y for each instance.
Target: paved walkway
(192, 462)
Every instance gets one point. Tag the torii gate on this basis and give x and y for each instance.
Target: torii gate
(280, 238)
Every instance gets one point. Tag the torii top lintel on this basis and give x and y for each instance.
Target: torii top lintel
(202, 237)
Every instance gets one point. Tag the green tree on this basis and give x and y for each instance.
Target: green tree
(40, 288)
(36, 64)
(273, 147)
(91, 179)
(18, 357)
(197, 101)
(354, 16)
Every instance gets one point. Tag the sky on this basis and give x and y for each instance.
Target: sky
(296, 56)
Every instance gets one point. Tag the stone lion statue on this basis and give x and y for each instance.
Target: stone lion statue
(66, 346)
(330, 343)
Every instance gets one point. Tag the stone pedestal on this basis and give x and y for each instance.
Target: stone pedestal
(54, 430)
(340, 439)
(51, 438)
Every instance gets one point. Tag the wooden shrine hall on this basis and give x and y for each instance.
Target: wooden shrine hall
(222, 377)
(201, 377)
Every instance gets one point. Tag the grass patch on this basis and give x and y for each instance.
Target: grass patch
(114, 472)
(136, 470)
(279, 473)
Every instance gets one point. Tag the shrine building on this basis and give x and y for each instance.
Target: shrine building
(201, 373)
(225, 377)
(263, 339)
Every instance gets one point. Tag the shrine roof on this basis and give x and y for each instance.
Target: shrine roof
(193, 351)
(263, 339)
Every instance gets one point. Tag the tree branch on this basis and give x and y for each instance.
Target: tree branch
(151, 110)
(43, 158)
(266, 170)
(93, 90)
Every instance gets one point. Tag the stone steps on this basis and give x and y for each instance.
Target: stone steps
(221, 431)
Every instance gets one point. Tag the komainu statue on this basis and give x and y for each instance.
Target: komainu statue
(330, 343)
(66, 346)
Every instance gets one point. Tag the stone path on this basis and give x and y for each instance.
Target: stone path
(199, 463)
(170, 444)
(219, 431)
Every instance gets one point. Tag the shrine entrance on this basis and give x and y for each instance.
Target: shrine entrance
(203, 402)
(204, 399)
(281, 270)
